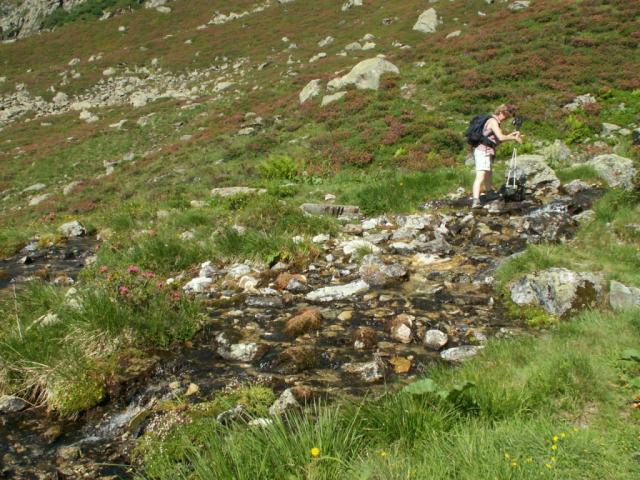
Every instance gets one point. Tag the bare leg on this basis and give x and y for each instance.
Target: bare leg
(479, 183)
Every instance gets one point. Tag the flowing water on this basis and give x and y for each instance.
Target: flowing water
(453, 294)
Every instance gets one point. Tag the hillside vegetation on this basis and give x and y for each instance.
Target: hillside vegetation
(127, 124)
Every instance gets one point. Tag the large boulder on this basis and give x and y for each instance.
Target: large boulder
(622, 297)
(538, 173)
(558, 291)
(617, 171)
(311, 90)
(365, 75)
(72, 229)
(428, 21)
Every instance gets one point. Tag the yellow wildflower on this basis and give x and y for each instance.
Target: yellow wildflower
(383, 453)
(554, 447)
(555, 439)
(563, 435)
(315, 451)
(548, 465)
(529, 460)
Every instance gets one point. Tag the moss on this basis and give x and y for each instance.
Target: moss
(255, 398)
(69, 397)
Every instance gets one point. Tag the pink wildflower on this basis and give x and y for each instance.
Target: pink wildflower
(148, 274)
(159, 284)
(104, 269)
(133, 269)
(123, 290)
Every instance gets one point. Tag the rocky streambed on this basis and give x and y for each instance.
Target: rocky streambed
(384, 301)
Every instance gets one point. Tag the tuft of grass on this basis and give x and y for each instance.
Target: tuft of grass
(396, 192)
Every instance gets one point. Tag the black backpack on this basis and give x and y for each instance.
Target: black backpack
(474, 132)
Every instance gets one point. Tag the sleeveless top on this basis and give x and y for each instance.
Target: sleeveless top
(488, 132)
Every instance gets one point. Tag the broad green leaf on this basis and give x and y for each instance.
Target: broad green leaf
(421, 387)
(631, 354)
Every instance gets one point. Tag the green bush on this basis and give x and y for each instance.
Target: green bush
(280, 167)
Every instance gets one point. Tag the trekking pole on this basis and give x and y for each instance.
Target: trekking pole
(514, 157)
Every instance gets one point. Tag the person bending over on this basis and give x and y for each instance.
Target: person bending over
(484, 155)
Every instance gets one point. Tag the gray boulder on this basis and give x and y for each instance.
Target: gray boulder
(369, 372)
(377, 274)
(617, 171)
(11, 404)
(365, 75)
(428, 21)
(558, 291)
(538, 173)
(72, 229)
(622, 297)
(311, 90)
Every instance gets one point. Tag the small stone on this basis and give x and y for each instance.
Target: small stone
(401, 328)
(400, 364)
(364, 338)
(12, 404)
(286, 402)
(192, 389)
(459, 354)
(346, 315)
(369, 372)
(435, 339)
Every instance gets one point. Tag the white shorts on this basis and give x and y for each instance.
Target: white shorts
(483, 160)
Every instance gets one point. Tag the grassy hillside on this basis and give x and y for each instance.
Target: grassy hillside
(386, 150)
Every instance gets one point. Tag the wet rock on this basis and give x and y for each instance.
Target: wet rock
(557, 290)
(622, 297)
(12, 404)
(198, 285)
(551, 223)
(52, 433)
(365, 75)
(337, 292)
(285, 278)
(435, 339)
(369, 372)
(437, 246)
(269, 301)
(69, 453)
(304, 322)
(617, 171)
(460, 354)
(376, 274)
(297, 359)
(364, 338)
(241, 352)
(345, 316)
(401, 328)
(286, 402)
(425, 260)
(400, 364)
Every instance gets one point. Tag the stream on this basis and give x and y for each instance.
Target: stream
(449, 253)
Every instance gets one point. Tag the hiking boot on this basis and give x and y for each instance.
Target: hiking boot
(491, 195)
(476, 203)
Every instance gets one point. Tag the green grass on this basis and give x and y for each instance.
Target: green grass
(66, 364)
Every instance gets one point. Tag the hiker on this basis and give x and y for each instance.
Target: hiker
(485, 151)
